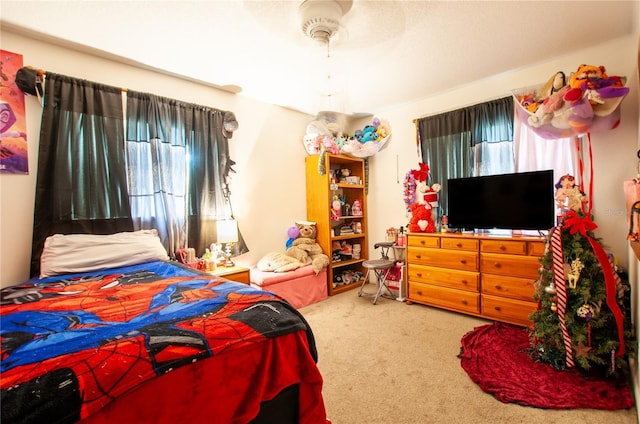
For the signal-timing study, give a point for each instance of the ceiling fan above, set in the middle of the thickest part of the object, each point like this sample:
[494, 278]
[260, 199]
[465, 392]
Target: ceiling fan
[320, 21]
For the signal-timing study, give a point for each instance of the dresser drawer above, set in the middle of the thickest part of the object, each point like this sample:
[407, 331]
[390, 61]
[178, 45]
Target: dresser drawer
[462, 280]
[512, 287]
[423, 241]
[459, 300]
[507, 310]
[504, 246]
[459, 243]
[511, 265]
[462, 260]
[535, 248]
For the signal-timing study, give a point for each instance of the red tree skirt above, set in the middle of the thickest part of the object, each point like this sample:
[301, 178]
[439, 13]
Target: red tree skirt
[496, 357]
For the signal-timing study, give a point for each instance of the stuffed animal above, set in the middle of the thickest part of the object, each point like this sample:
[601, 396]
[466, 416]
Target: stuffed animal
[368, 133]
[593, 94]
[583, 83]
[533, 100]
[293, 232]
[305, 248]
[547, 110]
[553, 84]
[278, 262]
[421, 220]
[593, 83]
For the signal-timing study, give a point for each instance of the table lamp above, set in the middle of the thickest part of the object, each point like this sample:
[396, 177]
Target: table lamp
[227, 233]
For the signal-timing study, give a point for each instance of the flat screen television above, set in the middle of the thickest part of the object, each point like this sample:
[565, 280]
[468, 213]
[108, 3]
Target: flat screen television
[518, 201]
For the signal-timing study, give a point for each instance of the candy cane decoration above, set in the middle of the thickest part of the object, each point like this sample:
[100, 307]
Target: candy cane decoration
[561, 292]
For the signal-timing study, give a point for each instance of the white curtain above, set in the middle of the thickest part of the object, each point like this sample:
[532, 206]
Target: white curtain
[157, 166]
[533, 153]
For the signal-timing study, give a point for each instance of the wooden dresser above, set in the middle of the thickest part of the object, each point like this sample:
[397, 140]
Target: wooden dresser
[482, 275]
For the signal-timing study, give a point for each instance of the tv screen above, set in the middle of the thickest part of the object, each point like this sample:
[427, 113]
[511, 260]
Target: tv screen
[519, 201]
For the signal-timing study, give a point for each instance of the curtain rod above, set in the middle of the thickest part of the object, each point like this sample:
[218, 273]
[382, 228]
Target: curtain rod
[415, 120]
[43, 73]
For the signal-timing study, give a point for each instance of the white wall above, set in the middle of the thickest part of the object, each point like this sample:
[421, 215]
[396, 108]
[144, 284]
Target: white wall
[268, 190]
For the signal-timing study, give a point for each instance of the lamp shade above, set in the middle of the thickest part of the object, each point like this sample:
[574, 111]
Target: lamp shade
[227, 231]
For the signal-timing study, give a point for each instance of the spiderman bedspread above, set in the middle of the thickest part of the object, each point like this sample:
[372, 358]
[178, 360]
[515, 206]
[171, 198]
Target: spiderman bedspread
[71, 344]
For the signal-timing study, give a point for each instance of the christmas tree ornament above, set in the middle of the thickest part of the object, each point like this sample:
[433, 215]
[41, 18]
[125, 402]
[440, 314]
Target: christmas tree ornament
[551, 289]
[572, 272]
[582, 350]
[585, 312]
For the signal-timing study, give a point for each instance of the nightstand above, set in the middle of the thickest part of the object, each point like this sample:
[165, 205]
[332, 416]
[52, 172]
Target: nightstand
[234, 273]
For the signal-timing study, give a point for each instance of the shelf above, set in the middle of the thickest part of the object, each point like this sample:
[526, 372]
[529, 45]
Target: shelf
[348, 236]
[340, 264]
[345, 287]
[347, 185]
[320, 195]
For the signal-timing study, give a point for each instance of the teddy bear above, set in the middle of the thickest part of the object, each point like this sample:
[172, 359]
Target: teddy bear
[421, 219]
[305, 248]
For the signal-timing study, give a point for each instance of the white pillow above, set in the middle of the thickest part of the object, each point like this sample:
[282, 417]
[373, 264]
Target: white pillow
[67, 254]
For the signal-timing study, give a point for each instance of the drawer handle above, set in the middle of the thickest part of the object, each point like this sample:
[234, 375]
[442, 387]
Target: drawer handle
[497, 308]
[419, 274]
[419, 292]
[463, 261]
[503, 247]
[464, 302]
[464, 282]
[459, 245]
[497, 265]
[498, 287]
[418, 257]
[422, 242]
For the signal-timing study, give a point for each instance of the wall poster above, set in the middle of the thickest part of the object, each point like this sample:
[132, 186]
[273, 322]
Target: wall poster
[13, 127]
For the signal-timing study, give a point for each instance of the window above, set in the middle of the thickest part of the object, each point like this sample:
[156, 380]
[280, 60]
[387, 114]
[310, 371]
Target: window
[171, 174]
[488, 139]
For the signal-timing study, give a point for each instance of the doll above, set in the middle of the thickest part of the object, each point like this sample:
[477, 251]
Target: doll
[568, 195]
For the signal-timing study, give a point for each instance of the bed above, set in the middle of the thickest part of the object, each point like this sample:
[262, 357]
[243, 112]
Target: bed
[154, 342]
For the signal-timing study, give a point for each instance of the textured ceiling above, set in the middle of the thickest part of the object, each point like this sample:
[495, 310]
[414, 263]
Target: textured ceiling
[385, 52]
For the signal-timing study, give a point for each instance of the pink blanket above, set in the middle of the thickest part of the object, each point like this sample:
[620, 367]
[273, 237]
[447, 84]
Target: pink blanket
[300, 287]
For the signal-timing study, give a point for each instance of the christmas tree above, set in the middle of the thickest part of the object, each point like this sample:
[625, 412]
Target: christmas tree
[582, 319]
